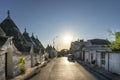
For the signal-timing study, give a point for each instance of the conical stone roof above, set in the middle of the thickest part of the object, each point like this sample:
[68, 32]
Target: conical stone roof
[37, 42]
[10, 28]
[28, 38]
[2, 33]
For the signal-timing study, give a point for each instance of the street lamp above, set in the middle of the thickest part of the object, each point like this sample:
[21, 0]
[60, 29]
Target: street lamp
[54, 40]
[55, 51]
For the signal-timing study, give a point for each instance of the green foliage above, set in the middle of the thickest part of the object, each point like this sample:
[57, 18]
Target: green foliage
[22, 67]
[21, 60]
[22, 64]
[115, 45]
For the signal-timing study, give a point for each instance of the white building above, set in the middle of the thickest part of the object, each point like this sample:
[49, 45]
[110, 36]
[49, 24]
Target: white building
[97, 54]
[76, 49]
[7, 59]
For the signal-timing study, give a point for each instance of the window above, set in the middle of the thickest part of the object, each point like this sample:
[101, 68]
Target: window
[103, 55]
[103, 58]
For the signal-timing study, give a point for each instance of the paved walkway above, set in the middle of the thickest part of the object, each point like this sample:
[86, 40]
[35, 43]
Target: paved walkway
[101, 71]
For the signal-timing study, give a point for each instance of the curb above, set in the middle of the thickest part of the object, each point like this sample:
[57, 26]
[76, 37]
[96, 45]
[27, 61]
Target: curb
[30, 73]
[100, 73]
[109, 78]
[36, 71]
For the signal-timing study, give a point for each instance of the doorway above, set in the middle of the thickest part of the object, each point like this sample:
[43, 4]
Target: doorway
[6, 62]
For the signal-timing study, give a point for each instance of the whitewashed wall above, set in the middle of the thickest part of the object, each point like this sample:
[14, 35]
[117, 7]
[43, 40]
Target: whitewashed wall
[87, 57]
[99, 59]
[16, 63]
[16, 70]
[106, 61]
[94, 55]
[38, 58]
[27, 61]
[77, 54]
[114, 63]
[112, 60]
[2, 66]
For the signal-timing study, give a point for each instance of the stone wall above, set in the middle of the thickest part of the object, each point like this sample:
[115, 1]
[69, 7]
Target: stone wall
[114, 62]
[2, 66]
[16, 70]
[27, 61]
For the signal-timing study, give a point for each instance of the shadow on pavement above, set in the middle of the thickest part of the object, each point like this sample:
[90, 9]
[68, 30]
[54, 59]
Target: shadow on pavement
[97, 70]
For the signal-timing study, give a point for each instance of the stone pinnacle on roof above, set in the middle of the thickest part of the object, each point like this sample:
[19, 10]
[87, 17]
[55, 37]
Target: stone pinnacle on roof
[36, 37]
[32, 33]
[8, 12]
[25, 30]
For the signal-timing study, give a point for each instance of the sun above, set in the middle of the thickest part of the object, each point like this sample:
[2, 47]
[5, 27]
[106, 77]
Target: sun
[67, 39]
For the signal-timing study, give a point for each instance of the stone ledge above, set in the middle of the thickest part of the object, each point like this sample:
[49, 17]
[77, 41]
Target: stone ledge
[29, 72]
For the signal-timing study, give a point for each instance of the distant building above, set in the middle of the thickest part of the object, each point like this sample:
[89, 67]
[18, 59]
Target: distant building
[51, 51]
[92, 47]
[37, 44]
[76, 48]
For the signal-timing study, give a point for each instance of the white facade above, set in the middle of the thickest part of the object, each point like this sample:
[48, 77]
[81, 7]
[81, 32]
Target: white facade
[2, 66]
[114, 62]
[77, 54]
[110, 61]
[76, 48]
[6, 61]
[9, 60]
[27, 61]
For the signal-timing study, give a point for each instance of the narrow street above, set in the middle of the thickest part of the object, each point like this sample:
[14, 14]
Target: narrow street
[62, 69]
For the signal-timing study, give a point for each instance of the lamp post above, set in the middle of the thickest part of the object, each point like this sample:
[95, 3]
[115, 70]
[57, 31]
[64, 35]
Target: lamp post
[54, 41]
[55, 52]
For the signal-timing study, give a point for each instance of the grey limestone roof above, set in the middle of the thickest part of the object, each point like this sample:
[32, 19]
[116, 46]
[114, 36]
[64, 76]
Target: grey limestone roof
[10, 28]
[2, 33]
[37, 42]
[2, 40]
[28, 38]
[99, 42]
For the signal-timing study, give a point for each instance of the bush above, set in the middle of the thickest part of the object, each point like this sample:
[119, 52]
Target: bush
[21, 60]
[22, 64]
[22, 67]
[115, 46]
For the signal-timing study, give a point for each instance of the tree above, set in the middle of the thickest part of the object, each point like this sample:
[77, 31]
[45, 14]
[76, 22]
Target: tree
[115, 45]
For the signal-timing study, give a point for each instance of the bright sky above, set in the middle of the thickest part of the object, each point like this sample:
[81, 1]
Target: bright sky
[83, 19]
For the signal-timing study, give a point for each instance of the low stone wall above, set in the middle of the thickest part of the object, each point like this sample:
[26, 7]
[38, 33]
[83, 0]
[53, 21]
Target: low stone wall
[27, 61]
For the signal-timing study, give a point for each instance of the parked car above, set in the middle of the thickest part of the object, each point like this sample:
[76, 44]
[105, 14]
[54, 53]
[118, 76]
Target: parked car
[70, 57]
